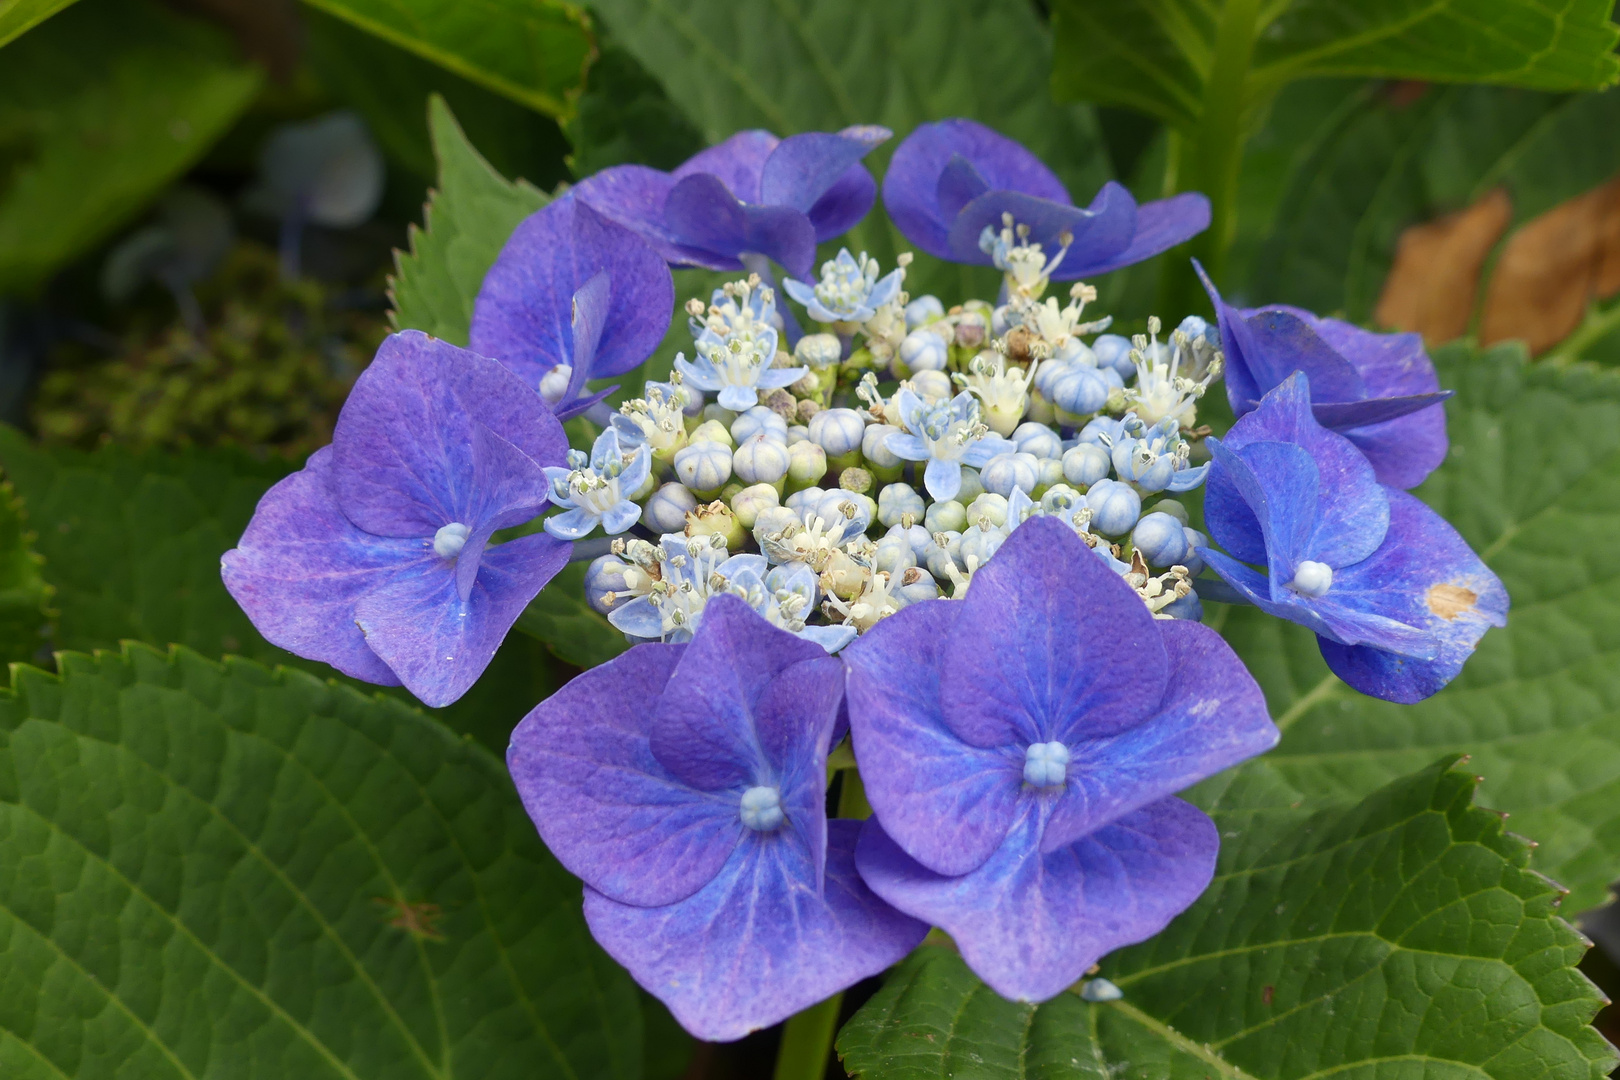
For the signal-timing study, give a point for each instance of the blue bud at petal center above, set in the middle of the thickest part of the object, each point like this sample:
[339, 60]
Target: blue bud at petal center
[1046, 764]
[762, 808]
[450, 539]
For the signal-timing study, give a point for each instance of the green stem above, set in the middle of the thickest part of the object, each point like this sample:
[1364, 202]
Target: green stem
[807, 1040]
[1597, 325]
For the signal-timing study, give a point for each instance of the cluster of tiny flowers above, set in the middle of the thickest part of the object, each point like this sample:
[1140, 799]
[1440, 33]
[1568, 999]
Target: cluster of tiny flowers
[886, 458]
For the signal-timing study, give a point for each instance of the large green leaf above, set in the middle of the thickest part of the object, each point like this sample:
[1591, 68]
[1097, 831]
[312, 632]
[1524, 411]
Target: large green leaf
[17, 17]
[218, 871]
[1160, 56]
[1402, 936]
[24, 594]
[533, 51]
[562, 619]
[826, 64]
[100, 108]
[466, 223]
[1538, 705]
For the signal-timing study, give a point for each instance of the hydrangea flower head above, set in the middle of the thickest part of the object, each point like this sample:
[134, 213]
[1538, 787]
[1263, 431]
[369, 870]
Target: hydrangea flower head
[686, 785]
[1397, 599]
[951, 181]
[572, 297]
[597, 490]
[1020, 749]
[374, 558]
[753, 193]
[945, 434]
[849, 290]
[1380, 391]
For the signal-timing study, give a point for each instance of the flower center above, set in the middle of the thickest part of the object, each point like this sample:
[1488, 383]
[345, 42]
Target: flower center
[762, 808]
[1312, 579]
[450, 539]
[1046, 764]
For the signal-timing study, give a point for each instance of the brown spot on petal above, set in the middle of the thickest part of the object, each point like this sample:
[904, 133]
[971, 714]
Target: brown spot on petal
[1450, 601]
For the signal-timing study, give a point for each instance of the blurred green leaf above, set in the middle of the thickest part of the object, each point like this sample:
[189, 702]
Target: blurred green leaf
[823, 66]
[570, 627]
[100, 108]
[1403, 933]
[1538, 705]
[24, 595]
[212, 870]
[466, 223]
[625, 117]
[17, 17]
[533, 51]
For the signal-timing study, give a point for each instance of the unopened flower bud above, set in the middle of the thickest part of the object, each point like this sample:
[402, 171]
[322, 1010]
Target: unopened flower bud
[604, 580]
[797, 433]
[666, 511]
[818, 350]
[894, 554]
[1037, 439]
[932, 386]
[712, 431]
[716, 519]
[924, 350]
[1171, 507]
[1194, 562]
[972, 487]
[942, 557]
[1078, 390]
[1048, 471]
[1114, 507]
[839, 432]
[1085, 464]
[807, 463]
[884, 463]
[773, 521]
[896, 501]
[948, 516]
[804, 499]
[806, 410]
[988, 506]
[855, 479]
[750, 502]
[761, 460]
[758, 421]
[924, 309]
[1004, 472]
[916, 585]
[1113, 351]
[978, 544]
[970, 330]
[1161, 539]
[714, 411]
[704, 466]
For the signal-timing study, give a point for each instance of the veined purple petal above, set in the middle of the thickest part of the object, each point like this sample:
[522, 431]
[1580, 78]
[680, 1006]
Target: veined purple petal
[436, 642]
[1341, 416]
[301, 566]
[402, 451]
[634, 197]
[613, 815]
[1100, 231]
[783, 234]
[508, 488]
[948, 803]
[1051, 645]
[1426, 576]
[1160, 226]
[1029, 924]
[1213, 716]
[738, 162]
[702, 214]
[759, 942]
[803, 168]
[959, 184]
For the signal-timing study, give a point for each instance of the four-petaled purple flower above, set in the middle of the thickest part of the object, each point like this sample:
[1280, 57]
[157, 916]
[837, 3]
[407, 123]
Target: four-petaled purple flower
[1397, 598]
[572, 297]
[950, 181]
[1380, 391]
[373, 558]
[1020, 749]
[686, 784]
[752, 194]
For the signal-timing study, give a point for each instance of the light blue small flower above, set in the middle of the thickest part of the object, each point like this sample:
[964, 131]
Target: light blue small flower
[849, 290]
[1156, 458]
[597, 492]
[947, 435]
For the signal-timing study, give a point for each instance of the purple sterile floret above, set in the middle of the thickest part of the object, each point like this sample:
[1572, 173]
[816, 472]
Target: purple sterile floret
[752, 194]
[1380, 391]
[949, 180]
[374, 557]
[1396, 597]
[576, 294]
[1019, 749]
[686, 785]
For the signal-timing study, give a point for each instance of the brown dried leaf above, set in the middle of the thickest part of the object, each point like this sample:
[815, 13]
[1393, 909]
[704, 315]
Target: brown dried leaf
[1435, 279]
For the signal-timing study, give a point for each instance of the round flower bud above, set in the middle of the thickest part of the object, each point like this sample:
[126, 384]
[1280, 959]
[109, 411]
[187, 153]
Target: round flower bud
[807, 463]
[666, 511]
[1079, 390]
[1171, 507]
[844, 506]
[932, 385]
[972, 487]
[1113, 351]
[998, 321]
[1188, 607]
[895, 501]
[805, 499]
[805, 410]
[716, 519]
[839, 432]
[818, 350]
[772, 522]
[723, 416]
[856, 479]
[924, 309]
[1061, 498]
[1194, 562]
[924, 350]
[1114, 507]
[554, 383]
[797, 433]
[978, 544]
[917, 536]
[894, 554]
[712, 431]
[877, 455]
[760, 460]
[604, 578]
[941, 558]
[916, 585]
[970, 330]
[1085, 464]
[948, 516]
[1004, 472]
[1040, 408]
[758, 421]
[1037, 439]
[1049, 471]
[750, 502]
[988, 505]
[704, 466]
[1073, 350]
[1161, 539]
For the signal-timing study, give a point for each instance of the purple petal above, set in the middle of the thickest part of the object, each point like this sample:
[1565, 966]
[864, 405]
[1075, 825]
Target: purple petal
[959, 185]
[1426, 576]
[709, 730]
[739, 163]
[911, 185]
[525, 309]
[1213, 716]
[1343, 415]
[1404, 452]
[1100, 231]
[1050, 644]
[508, 488]
[301, 566]
[634, 197]
[436, 642]
[844, 204]
[1030, 925]
[402, 452]
[702, 214]
[804, 167]
[614, 816]
[784, 235]
[1394, 366]
[946, 802]
[759, 942]
[1160, 226]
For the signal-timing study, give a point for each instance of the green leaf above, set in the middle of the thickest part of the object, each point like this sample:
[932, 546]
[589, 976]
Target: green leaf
[625, 117]
[533, 51]
[24, 595]
[100, 108]
[467, 221]
[214, 870]
[1533, 483]
[1160, 56]
[820, 67]
[17, 17]
[570, 627]
[1400, 935]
